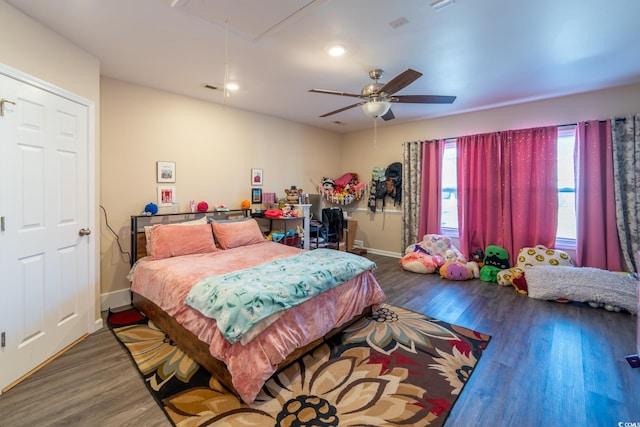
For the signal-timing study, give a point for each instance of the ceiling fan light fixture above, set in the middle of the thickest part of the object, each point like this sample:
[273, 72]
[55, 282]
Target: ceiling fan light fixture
[376, 108]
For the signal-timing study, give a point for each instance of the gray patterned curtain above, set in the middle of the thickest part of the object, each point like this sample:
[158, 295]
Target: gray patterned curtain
[411, 180]
[626, 167]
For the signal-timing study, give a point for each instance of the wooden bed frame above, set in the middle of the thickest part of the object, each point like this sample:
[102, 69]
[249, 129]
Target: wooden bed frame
[199, 350]
[188, 342]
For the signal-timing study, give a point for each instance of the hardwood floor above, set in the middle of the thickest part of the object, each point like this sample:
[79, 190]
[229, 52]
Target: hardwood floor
[547, 364]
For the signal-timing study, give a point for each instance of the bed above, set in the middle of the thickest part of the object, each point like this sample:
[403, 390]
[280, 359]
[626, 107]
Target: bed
[183, 259]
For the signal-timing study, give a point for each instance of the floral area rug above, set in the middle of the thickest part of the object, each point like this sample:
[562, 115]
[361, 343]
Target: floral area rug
[395, 368]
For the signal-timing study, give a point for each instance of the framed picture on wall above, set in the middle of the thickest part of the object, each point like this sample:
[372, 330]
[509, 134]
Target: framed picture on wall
[166, 171]
[256, 177]
[166, 195]
[256, 195]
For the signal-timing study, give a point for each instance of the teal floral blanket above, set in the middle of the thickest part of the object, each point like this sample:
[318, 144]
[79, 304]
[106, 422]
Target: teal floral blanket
[241, 299]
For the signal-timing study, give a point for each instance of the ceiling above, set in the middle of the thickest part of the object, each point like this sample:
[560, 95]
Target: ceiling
[488, 53]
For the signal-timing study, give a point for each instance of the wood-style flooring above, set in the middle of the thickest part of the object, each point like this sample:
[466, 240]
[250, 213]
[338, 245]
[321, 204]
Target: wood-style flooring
[548, 364]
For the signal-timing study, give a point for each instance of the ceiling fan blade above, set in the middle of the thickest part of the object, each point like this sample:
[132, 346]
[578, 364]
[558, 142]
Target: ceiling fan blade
[400, 81]
[334, 92]
[388, 115]
[424, 99]
[341, 109]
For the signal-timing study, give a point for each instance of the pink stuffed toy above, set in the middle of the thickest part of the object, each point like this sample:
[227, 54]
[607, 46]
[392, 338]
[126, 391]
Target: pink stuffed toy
[419, 261]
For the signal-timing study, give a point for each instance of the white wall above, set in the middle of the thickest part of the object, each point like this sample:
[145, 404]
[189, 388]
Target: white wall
[382, 231]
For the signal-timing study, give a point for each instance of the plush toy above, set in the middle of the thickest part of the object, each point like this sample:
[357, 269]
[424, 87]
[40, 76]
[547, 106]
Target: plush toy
[343, 182]
[203, 206]
[495, 260]
[293, 194]
[327, 183]
[436, 244]
[475, 269]
[245, 204]
[478, 257]
[527, 257]
[151, 209]
[418, 262]
[450, 256]
[455, 270]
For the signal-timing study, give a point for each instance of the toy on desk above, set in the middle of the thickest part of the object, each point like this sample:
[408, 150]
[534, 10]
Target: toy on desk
[192, 205]
[294, 194]
[245, 204]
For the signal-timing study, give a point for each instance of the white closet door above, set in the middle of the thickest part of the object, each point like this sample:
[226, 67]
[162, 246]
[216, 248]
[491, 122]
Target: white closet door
[44, 286]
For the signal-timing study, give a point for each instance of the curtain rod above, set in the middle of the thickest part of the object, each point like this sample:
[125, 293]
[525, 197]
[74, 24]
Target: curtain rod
[617, 119]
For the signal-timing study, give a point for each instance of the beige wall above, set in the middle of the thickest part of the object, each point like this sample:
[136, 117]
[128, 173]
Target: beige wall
[214, 148]
[382, 231]
[31, 48]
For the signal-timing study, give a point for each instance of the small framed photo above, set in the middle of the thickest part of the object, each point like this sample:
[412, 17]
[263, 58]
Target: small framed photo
[256, 195]
[166, 171]
[166, 195]
[256, 177]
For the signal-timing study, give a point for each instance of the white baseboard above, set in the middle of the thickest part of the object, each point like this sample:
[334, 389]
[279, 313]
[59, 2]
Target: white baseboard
[115, 299]
[385, 253]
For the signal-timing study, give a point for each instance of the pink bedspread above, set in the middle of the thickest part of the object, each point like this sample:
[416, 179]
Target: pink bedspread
[166, 283]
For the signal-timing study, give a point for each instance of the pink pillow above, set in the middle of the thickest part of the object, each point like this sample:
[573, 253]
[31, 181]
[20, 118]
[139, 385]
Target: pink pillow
[170, 240]
[237, 233]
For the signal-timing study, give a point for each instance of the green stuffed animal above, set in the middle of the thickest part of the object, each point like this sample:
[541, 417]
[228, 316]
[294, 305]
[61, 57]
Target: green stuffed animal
[496, 259]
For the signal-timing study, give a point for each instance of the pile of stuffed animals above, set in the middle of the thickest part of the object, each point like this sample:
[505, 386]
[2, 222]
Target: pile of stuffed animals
[343, 190]
[437, 254]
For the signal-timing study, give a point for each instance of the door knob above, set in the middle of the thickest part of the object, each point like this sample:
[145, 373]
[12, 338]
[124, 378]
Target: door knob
[84, 232]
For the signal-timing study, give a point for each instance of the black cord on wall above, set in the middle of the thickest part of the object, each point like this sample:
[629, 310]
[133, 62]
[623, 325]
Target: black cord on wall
[106, 221]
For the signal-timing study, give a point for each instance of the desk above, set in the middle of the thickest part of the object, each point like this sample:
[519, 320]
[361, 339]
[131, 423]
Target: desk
[303, 216]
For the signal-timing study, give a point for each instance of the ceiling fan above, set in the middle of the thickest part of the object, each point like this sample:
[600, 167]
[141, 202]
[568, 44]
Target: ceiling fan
[379, 96]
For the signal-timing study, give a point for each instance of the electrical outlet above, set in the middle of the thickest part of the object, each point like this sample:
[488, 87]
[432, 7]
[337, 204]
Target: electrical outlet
[634, 360]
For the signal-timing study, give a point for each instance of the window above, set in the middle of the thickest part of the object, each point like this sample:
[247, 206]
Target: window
[566, 232]
[566, 186]
[449, 217]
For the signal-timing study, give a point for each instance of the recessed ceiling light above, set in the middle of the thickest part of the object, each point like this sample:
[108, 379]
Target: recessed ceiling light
[232, 86]
[337, 50]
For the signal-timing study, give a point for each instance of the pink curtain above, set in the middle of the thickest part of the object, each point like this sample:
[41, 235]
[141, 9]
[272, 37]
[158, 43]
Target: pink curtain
[597, 239]
[531, 195]
[431, 188]
[479, 191]
[507, 189]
